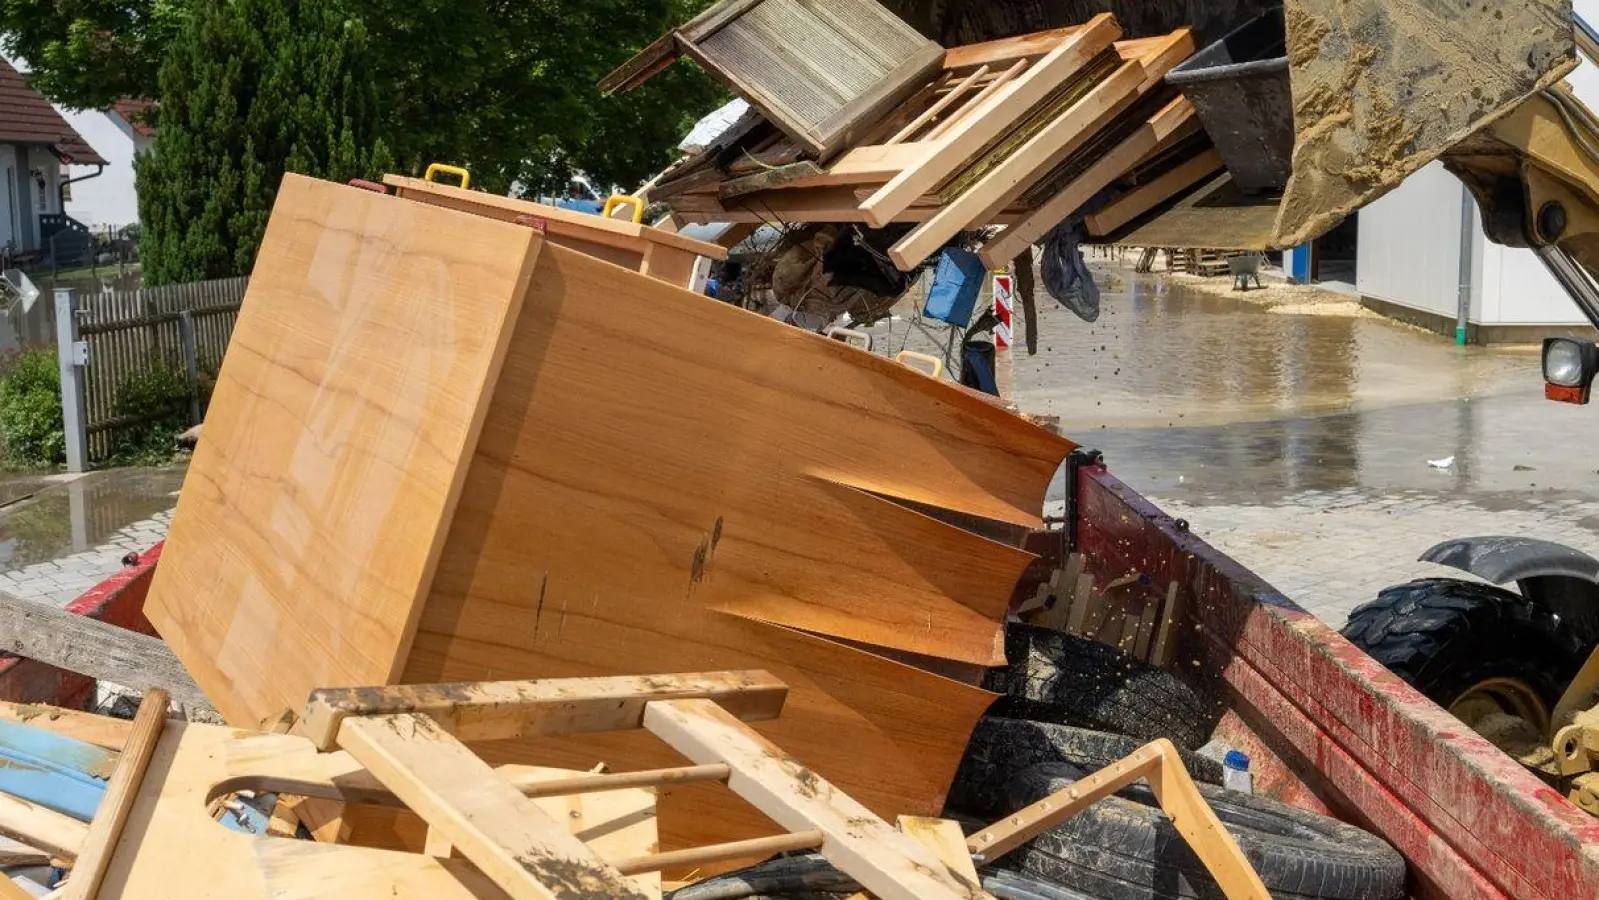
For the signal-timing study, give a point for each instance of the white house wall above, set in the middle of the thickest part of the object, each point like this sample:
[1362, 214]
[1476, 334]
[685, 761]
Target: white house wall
[1408, 251]
[109, 200]
[1411, 229]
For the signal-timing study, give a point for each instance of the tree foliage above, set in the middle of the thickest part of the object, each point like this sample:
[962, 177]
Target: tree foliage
[505, 87]
[251, 89]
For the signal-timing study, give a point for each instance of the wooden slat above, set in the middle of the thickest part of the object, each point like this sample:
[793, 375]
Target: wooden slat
[882, 859]
[1008, 50]
[90, 647]
[46, 829]
[330, 472]
[983, 202]
[982, 124]
[996, 84]
[558, 222]
[502, 710]
[1017, 172]
[1070, 198]
[517, 845]
[945, 102]
[1142, 199]
[106, 828]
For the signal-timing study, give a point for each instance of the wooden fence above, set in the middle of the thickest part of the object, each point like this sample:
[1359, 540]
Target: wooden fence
[180, 331]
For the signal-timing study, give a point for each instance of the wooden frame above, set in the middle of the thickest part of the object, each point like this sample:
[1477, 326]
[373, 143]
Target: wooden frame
[394, 746]
[1159, 764]
[982, 203]
[1160, 127]
[656, 252]
[988, 120]
[1145, 197]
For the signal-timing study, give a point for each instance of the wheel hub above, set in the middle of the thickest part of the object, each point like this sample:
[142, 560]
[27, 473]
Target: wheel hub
[1506, 711]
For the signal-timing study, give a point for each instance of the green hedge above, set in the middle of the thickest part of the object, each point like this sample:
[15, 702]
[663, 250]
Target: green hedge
[30, 409]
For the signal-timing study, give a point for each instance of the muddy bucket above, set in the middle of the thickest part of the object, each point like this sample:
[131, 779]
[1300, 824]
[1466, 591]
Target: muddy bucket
[1239, 88]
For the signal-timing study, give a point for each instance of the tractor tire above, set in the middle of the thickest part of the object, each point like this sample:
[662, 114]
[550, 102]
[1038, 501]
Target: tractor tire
[1443, 636]
[811, 877]
[1001, 749]
[1070, 680]
[1125, 848]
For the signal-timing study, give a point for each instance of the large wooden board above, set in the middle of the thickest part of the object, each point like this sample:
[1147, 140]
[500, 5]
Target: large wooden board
[707, 495]
[313, 513]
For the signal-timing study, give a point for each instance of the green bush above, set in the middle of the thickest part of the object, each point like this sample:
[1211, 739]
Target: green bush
[30, 409]
[160, 397]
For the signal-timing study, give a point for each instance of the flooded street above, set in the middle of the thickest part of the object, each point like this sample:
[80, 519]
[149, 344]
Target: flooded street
[1303, 443]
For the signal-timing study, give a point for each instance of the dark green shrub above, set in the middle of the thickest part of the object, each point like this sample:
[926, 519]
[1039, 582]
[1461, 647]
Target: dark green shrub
[30, 409]
[159, 399]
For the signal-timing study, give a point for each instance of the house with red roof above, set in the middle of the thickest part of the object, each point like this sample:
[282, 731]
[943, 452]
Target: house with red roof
[37, 145]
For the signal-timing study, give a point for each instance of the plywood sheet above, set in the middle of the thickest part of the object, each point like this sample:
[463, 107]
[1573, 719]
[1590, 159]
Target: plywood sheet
[312, 515]
[669, 484]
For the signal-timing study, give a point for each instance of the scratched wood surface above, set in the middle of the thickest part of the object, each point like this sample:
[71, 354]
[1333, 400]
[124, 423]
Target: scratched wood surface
[311, 519]
[722, 494]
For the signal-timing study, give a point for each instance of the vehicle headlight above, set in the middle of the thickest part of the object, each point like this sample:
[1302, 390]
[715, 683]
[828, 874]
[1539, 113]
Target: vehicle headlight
[1563, 362]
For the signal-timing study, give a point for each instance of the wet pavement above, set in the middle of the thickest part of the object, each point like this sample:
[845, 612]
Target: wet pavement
[60, 535]
[1300, 443]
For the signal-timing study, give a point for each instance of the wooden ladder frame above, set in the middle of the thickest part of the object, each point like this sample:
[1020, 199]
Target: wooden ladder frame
[410, 738]
[1160, 765]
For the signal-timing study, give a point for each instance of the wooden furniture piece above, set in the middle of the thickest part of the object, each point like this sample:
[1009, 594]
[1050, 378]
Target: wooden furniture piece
[660, 254]
[404, 746]
[1159, 765]
[983, 142]
[442, 449]
[818, 71]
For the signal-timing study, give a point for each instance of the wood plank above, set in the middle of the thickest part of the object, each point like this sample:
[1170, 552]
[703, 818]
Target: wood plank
[984, 202]
[989, 120]
[46, 829]
[1007, 180]
[1008, 50]
[1172, 619]
[954, 96]
[502, 710]
[126, 780]
[293, 501]
[558, 222]
[516, 844]
[1071, 198]
[1146, 628]
[993, 87]
[101, 731]
[882, 859]
[1142, 199]
[944, 838]
[94, 648]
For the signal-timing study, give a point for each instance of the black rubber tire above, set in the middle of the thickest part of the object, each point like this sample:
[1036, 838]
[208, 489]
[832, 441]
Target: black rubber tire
[1058, 677]
[810, 877]
[1125, 848]
[1443, 635]
[1001, 749]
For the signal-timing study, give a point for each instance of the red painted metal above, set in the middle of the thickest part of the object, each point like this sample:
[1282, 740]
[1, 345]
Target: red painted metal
[1471, 821]
[119, 600]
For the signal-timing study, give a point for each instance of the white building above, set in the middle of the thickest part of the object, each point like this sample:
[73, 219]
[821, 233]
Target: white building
[1409, 255]
[109, 200]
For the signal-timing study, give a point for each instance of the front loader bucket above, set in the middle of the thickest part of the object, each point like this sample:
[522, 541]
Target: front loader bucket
[1382, 87]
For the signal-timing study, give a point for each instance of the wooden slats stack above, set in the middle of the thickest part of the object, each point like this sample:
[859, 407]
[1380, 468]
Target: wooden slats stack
[1023, 132]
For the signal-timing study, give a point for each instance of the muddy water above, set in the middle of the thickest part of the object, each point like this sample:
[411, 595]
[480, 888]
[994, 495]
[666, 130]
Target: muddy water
[1164, 356]
[57, 519]
[1214, 400]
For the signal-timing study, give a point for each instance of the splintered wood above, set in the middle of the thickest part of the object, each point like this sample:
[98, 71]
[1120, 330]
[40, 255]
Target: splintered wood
[443, 449]
[1000, 134]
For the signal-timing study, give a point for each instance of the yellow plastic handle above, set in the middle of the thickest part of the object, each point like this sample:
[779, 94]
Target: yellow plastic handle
[850, 336]
[620, 199]
[457, 171]
[921, 362]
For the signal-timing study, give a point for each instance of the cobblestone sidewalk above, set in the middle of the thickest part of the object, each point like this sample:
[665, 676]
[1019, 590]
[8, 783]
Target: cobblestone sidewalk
[60, 581]
[1331, 551]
